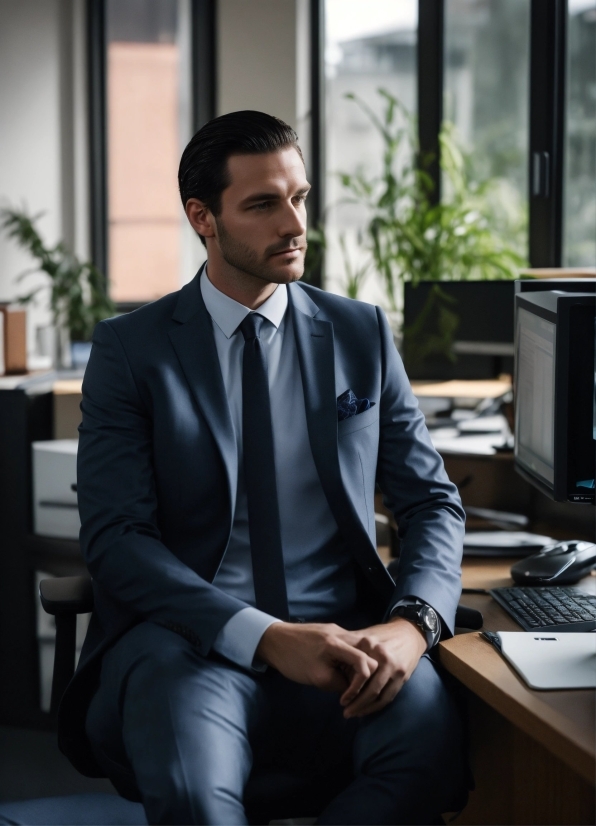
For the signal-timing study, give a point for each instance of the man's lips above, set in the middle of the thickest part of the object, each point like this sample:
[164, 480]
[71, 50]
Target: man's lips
[286, 251]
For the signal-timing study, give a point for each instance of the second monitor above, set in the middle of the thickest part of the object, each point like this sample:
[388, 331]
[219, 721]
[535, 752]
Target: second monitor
[458, 329]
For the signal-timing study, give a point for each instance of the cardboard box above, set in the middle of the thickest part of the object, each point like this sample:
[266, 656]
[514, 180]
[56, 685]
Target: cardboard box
[67, 413]
[14, 339]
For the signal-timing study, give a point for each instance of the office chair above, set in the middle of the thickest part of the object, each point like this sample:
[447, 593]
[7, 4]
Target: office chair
[270, 796]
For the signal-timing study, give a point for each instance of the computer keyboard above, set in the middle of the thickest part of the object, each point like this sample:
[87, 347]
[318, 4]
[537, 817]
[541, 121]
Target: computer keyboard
[548, 608]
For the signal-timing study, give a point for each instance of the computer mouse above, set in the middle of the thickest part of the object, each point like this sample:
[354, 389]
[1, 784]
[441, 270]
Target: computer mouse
[560, 564]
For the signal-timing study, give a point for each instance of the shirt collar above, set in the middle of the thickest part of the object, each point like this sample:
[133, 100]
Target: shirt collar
[228, 314]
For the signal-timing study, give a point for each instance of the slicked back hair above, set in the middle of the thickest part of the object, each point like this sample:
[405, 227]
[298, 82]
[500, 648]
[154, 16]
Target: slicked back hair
[203, 171]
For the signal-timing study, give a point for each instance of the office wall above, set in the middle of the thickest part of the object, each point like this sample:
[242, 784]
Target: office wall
[263, 59]
[43, 137]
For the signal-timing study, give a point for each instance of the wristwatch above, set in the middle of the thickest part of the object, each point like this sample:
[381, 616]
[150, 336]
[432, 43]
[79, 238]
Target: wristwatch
[423, 616]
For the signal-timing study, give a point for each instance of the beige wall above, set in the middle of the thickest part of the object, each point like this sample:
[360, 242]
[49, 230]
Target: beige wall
[263, 62]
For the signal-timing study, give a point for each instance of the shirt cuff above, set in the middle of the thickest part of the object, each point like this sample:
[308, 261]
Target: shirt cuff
[239, 638]
[431, 639]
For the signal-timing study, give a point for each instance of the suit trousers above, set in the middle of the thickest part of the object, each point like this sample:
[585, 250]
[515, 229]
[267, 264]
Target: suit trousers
[183, 733]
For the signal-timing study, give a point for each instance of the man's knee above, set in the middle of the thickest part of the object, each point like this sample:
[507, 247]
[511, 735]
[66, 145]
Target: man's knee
[420, 728]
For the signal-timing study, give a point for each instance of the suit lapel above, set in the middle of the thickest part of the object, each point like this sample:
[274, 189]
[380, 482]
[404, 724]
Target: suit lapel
[195, 347]
[316, 356]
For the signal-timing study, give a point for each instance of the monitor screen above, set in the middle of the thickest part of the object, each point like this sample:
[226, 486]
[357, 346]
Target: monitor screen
[535, 394]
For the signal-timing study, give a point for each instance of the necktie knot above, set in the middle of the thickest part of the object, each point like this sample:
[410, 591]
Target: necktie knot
[251, 326]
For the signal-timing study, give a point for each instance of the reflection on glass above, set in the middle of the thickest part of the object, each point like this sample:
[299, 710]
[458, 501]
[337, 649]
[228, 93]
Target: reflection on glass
[487, 46]
[147, 113]
[580, 150]
[368, 45]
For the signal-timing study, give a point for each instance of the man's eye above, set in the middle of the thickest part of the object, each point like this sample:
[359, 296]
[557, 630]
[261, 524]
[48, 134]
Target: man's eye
[261, 207]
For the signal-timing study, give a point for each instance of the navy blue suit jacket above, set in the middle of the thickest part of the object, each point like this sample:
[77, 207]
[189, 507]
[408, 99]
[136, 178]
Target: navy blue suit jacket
[157, 473]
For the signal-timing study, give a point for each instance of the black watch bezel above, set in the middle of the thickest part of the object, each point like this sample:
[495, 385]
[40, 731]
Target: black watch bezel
[424, 616]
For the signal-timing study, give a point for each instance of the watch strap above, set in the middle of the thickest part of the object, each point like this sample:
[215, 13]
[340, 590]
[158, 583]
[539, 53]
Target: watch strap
[431, 638]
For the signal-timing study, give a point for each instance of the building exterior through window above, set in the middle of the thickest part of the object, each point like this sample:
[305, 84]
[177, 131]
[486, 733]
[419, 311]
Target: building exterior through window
[148, 124]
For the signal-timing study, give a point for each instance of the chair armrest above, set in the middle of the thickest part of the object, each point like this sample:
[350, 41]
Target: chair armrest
[66, 595]
[468, 618]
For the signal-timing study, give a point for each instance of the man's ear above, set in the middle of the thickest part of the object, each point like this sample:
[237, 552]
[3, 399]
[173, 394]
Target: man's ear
[200, 217]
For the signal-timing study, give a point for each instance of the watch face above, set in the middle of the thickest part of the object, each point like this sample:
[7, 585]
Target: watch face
[429, 618]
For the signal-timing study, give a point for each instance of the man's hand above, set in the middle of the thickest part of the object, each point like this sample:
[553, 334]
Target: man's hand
[317, 654]
[396, 647]
[368, 667]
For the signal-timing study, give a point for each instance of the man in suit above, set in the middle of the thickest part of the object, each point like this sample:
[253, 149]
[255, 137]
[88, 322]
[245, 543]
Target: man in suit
[232, 437]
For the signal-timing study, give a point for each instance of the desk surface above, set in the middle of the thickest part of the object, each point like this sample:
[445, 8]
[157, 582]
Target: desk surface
[463, 389]
[564, 722]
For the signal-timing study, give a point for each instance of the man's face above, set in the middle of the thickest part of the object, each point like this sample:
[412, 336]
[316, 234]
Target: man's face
[261, 229]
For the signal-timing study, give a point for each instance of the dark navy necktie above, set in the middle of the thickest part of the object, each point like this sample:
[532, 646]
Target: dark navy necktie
[259, 475]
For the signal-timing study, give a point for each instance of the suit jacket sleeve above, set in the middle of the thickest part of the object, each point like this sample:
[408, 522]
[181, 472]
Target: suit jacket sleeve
[120, 537]
[426, 505]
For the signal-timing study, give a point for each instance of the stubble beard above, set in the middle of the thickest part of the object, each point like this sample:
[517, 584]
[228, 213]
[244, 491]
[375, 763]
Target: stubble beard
[246, 260]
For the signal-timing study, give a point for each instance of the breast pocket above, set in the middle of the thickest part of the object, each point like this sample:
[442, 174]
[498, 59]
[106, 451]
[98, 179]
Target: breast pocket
[358, 422]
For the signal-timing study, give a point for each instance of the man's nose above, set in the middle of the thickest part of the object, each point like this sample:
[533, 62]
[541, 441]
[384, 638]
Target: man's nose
[293, 222]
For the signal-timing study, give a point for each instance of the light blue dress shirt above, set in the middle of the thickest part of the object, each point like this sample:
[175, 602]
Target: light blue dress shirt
[320, 579]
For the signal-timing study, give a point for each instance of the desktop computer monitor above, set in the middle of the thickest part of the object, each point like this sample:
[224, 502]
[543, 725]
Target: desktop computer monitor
[565, 285]
[482, 319]
[481, 341]
[555, 415]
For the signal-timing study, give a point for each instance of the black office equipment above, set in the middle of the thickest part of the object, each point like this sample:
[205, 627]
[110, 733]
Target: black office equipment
[565, 285]
[554, 393]
[26, 411]
[561, 609]
[481, 343]
[560, 564]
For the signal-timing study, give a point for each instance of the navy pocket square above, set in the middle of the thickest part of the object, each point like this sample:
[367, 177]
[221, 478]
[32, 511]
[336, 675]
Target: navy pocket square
[348, 405]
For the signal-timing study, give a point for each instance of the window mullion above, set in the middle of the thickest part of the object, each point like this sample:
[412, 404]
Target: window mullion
[547, 134]
[96, 72]
[431, 38]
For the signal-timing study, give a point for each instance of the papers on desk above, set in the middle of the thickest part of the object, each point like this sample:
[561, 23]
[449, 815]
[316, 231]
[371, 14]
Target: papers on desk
[504, 543]
[480, 435]
[548, 661]
[484, 445]
[483, 425]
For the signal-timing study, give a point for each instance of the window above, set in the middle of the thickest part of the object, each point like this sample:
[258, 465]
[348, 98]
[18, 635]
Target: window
[148, 122]
[580, 148]
[369, 45]
[487, 46]
[519, 83]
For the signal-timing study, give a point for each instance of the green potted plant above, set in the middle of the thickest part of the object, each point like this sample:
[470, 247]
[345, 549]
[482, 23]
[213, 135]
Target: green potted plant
[410, 238]
[77, 289]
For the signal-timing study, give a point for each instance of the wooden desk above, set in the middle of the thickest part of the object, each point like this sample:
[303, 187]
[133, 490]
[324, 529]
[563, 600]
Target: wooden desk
[532, 752]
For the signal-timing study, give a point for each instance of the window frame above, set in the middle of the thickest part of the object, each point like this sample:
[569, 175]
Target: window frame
[204, 95]
[547, 105]
[548, 60]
